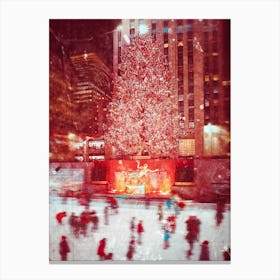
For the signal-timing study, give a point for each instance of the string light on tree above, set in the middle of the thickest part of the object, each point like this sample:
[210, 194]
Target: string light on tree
[143, 112]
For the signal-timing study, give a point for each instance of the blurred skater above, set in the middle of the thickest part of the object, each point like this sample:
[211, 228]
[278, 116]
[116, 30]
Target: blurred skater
[171, 220]
[113, 204]
[109, 257]
[75, 224]
[166, 237]
[204, 251]
[193, 229]
[84, 221]
[220, 209]
[132, 225]
[131, 250]
[101, 249]
[140, 230]
[226, 254]
[106, 215]
[63, 248]
[168, 203]
[95, 220]
[59, 216]
[159, 212]
[147, 202]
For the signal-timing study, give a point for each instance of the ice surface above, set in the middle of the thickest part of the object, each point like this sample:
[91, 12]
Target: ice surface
[118, 231]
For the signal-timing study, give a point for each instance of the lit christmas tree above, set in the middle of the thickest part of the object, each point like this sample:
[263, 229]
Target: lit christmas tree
[142, 116]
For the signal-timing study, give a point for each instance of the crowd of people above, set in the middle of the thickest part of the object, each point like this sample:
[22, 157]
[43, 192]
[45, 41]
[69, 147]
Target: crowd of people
[88, 222]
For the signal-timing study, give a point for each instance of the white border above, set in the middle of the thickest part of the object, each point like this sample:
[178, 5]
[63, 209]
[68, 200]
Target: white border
[24, 137]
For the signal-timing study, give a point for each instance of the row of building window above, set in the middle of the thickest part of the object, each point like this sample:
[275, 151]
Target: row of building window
[180, 71]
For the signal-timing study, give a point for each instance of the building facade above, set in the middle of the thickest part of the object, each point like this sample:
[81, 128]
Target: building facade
[80, 89]
[197, 52]
[90, 91]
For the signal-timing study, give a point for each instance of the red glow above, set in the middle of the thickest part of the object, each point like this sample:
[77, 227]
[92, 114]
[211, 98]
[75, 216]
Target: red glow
[147, 177]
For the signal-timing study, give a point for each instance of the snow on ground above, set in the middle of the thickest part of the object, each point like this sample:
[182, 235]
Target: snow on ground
[118, 231]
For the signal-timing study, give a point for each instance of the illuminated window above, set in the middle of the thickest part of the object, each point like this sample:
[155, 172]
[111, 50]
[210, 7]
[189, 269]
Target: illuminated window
[189, 27]
[182, 124]
[215, 77]
[180, 29]
[226, 83]
[191, 124]
[186, 147]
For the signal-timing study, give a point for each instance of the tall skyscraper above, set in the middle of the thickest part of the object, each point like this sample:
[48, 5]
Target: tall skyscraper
[91, 86]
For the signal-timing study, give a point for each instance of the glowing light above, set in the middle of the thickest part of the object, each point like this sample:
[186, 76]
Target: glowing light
[126, 39]
[210, 128]
[71, 136]
[119, 27]
[216, 139]
[130, 180]
[143, 29]
[225, 83]
[215, 77]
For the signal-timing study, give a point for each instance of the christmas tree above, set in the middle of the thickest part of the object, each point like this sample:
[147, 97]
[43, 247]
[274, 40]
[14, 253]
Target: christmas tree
[142, 116]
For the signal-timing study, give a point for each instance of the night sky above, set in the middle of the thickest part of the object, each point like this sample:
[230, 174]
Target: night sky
[86, 35]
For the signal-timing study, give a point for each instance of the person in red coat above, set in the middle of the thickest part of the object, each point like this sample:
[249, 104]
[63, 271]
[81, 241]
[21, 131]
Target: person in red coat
[204, 253]
[140, 230]
[101, 249]
[59, 216]
[63, 248]
[226, 254]
[84, 219]
[131, 250]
